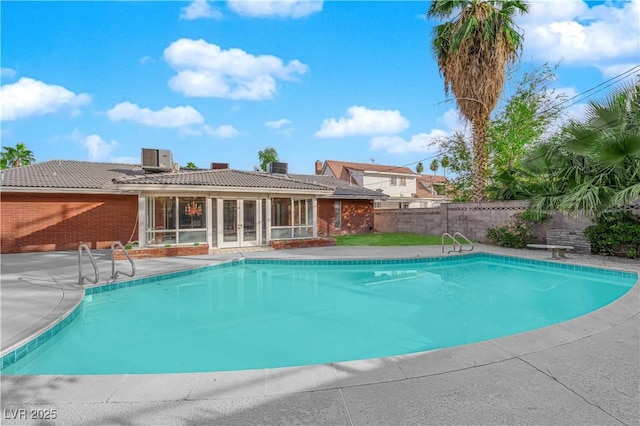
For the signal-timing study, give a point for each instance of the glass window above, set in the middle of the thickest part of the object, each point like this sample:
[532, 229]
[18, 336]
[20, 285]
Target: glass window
[393, 181]
[192, 213]
[176, 220]
[337, 205]
[281, 212]
[403, 181]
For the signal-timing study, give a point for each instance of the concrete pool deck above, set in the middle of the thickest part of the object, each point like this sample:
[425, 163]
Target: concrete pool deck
[583, 371]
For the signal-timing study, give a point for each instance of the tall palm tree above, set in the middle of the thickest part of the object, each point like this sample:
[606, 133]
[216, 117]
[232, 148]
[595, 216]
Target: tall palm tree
[473, 50]
[16, 157]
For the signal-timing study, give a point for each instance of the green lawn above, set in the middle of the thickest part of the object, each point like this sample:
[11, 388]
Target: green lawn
[394, 239]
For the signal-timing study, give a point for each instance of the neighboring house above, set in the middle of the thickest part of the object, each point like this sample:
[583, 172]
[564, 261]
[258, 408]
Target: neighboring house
[431, 190]
[349, 210]
[405, 188]
[57, 204]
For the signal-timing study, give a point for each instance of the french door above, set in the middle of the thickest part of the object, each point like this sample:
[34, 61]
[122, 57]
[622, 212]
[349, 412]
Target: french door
[241, 223]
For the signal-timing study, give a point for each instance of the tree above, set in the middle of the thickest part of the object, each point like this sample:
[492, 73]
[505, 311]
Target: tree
[16, 157]
[524, 120]
[191, 165]
[419, 168]
[459, 160]
[444, 162]
[593, 165]
[434, 166]
[266, 156]
[473, 50]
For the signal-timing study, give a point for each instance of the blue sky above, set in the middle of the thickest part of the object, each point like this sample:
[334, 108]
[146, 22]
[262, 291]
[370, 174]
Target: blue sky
[219, 81]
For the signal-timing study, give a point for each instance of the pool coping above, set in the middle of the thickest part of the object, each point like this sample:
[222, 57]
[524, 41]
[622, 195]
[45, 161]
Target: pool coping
[276, 381]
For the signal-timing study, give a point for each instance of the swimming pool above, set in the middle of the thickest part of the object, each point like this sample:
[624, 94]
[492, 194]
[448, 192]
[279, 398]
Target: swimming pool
[263, 314]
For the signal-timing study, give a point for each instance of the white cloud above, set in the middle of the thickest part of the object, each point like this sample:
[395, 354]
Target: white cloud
[166, 117]
[621, 68]
[146, 60]
[363, 121]
[276, 124]
[602, 36]
[29, 97]
[277, 8]
[206, 70]
[7, 72]
[225, 131]
[200, 9]
[99, 149]
[421, 142]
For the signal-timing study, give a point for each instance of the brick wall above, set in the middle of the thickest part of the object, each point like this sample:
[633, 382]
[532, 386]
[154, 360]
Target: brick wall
[47, 222]
[148, 252]
[357, 217]
[303, 243]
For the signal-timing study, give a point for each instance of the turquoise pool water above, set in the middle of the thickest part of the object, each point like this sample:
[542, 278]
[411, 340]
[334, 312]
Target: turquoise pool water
[277, 313]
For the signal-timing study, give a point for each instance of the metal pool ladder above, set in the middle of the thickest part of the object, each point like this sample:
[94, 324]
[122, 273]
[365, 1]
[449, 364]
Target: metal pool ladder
[83, 247]
[114, 274]
[456, 242]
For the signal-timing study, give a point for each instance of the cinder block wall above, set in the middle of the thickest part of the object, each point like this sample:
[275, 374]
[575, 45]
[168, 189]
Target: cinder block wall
[474, 219]
[47, 222]
[416, 221]
[470, 219]
[357, 217]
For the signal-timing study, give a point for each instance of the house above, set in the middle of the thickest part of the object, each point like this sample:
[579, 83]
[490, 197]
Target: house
[55, 205]
[348, 210]
[405, 188]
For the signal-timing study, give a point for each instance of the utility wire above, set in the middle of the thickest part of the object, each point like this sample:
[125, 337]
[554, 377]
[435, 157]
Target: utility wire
[603, 85]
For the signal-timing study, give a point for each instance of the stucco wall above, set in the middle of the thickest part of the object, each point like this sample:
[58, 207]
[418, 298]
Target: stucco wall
[47, 222]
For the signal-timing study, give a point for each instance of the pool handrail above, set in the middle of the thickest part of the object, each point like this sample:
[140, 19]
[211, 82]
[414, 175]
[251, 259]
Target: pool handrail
[83, 247]
[456, 242]
[464, 238]
[114, 273]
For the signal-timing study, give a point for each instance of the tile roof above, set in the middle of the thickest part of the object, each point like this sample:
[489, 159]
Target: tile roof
[425, 183]
[68, 174]
[100, 177]
[342, 189]
[340, 169]
[223, 178]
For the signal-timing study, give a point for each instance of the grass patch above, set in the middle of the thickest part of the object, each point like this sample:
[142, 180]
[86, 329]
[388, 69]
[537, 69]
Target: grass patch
[393, 239]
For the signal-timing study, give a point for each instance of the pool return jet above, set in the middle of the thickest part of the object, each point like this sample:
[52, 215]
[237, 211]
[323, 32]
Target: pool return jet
[114, 274]
[457, 245]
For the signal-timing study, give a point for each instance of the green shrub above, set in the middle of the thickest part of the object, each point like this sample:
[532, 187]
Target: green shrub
[617, 232]
[518, 231]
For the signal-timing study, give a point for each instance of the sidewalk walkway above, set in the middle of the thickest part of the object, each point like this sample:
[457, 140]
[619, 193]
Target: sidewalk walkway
[584, 371]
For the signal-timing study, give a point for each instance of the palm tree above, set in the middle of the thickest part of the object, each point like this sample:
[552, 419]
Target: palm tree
[444, 162]
[16, 157]
[419, 168]
[594, 165]
[473, 49]
[434, 166]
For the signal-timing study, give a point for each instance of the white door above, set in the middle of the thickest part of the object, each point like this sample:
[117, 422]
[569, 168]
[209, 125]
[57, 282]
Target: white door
[241, 224]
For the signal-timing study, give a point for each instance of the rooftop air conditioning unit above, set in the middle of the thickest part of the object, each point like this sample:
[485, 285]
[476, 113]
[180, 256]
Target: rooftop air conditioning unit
[277, 168]
[157, 160]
